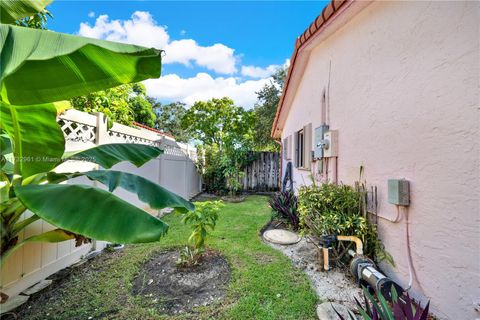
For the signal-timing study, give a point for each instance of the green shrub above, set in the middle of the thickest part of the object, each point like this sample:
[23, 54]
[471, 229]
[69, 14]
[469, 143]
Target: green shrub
[337, 209]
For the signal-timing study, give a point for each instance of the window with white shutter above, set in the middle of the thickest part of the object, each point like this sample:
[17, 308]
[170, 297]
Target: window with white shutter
[302, 141]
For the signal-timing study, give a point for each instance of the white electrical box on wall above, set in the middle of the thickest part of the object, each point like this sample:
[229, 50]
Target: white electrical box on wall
[331, 144]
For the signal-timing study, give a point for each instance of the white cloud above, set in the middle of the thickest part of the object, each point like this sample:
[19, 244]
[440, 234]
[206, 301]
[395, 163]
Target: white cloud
[204, 87]
[258, 72]
[143, 30]
[217, 57]
[91, 14]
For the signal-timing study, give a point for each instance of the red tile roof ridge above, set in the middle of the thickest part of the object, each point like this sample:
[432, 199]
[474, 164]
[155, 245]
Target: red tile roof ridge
[137, 124]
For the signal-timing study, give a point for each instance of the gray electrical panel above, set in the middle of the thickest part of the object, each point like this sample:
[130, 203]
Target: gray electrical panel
[399, 192]
[318, 147]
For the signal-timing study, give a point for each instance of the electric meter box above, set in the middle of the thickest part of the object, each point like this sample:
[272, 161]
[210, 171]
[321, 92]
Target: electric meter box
[318, 148]
[330, 144]
[399, 192]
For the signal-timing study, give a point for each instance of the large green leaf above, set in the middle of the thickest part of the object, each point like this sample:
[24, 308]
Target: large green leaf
[108, 155]
[5, 144]
[40, 66]
[6, 150]
[147, 191]
[91, 212]
[11, 10]
[38, 141]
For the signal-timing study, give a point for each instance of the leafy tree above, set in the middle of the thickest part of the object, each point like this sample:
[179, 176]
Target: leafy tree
[226, 132]
[35, 21]
[123, 104]
[265, 108]
[219, 122]
[169, 117]
[141, 106]
[112, 102]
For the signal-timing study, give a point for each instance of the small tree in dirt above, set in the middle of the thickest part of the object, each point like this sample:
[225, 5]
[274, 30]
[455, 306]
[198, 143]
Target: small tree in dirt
[202, 220]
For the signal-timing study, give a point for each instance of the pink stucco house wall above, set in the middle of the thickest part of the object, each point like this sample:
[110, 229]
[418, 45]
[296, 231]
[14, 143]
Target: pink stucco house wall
[399, 81]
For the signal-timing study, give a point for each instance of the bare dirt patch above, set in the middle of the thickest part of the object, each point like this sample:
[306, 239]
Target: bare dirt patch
[172, 289]
[233, 199]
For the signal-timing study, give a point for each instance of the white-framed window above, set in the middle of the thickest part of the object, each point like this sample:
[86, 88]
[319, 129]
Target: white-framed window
[303, 147]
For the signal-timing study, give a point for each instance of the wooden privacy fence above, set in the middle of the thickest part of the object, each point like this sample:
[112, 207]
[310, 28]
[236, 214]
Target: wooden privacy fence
[263, 173]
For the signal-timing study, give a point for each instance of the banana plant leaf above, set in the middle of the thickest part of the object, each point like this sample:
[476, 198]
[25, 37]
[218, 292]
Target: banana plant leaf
[11, 10]
[41, 66]
[107, 155]
[5, 144]
[91, 212]
[38, 141]
[147, 191]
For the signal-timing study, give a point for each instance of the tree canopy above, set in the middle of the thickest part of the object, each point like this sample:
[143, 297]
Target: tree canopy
[169, 118]
[226, 131]
[123, 104]
[219, 122]
[265, 108]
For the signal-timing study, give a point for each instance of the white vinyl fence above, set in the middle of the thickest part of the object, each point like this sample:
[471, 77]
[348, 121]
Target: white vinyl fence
[174, 170]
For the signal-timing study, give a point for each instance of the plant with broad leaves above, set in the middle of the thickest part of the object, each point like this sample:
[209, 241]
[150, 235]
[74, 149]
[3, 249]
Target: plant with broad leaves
[401, 308]
[337, 209]
[202, 220]
[39, 69]
[284, 204]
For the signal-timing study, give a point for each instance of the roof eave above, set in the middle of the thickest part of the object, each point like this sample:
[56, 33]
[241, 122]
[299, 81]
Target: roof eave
[314, 34]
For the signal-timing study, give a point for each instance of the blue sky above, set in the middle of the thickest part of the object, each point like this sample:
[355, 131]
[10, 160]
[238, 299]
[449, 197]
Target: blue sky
[213, 48]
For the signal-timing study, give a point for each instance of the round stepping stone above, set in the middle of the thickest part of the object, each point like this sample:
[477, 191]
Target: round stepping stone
[280, 236]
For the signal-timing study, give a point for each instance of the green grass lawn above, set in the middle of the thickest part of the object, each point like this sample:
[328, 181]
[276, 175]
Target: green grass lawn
[264, 283]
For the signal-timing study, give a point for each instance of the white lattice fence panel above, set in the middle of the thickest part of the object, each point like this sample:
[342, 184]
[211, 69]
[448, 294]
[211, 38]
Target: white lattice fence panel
[77, 132]
[173, 151]
[120, 137]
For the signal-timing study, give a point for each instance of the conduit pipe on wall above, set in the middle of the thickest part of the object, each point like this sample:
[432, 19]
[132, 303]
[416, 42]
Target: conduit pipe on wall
[409, 254]
[397, 219]
[335, 170]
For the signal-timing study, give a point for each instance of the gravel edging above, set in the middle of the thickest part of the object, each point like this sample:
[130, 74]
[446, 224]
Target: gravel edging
[333, 286]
